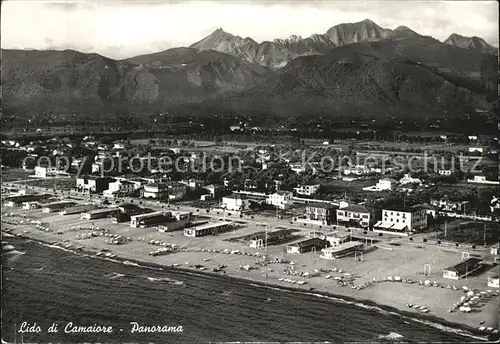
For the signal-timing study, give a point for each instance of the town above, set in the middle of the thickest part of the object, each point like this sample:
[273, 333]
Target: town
[342, 216]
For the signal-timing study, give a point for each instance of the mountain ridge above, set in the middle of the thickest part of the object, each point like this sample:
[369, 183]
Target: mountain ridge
[353, 69]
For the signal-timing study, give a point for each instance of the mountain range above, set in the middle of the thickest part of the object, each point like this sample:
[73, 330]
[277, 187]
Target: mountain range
[352, 69]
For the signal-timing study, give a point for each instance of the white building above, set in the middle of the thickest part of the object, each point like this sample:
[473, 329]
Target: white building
[236, 202]
[335, 238]
[475, 149]
[307, 189]
[407, 179]
[45, 172]
[445, 172]
[384, 184]
[402, 220]
[354, 213]
[482, 180]
[493, 282]
[156, 190]
[280, 199]
[472, 138]
[120, 187]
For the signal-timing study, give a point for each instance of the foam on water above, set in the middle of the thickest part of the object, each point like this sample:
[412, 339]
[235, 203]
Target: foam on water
[164, 279]
[390, 336]
[438, 326]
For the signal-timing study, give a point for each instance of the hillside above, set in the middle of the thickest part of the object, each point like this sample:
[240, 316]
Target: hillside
[62, 81]
[397, 78]
[476, 44]
[352, 70]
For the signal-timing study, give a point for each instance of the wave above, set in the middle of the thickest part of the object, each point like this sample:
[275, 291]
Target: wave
[114, 275]
[164, 279]
[6, 248]
[127, 262]
[390, 336]
[15, 252]
[435, 325]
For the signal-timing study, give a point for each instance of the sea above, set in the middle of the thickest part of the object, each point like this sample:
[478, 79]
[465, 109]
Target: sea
[44, 284]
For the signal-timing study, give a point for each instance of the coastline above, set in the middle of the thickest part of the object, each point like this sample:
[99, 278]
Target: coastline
[429, 320]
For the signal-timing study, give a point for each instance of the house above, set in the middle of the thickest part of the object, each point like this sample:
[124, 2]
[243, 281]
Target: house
[325, 213]
[334, 239]
[156, 191]
[446, 173]
[119, 145]
[236, 202]
[307, 189]
[307, 245]
[475, 150]
[482, 180]
[341, 250]
[446, 205]
[402, 220]
[385, 184]
[214, 190]
[354, 214]
[494, 204]
[493, 282]
[93, 184]
[462, 269]
[494, 250]
[176, 190]
[298, 168]
[120, 187]
[45, 172]
[407, 179]
[280, 199]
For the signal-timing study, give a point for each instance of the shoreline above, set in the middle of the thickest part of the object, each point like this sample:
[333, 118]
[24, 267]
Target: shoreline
[428, 320]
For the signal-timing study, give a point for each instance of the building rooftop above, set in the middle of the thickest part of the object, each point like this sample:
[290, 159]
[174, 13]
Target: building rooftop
[407, 209]
[463, 267]
[236, 196]
[320, 205]
[308, 242]
[356, 208]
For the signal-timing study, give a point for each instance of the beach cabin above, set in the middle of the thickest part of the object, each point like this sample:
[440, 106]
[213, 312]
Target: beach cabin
[78, 209]
[341, 250]
[308, 245]
[259, 239]
[209, 228]
[14, 201]
[135, 220]
[334, 239]
[462, 269]
[57, 206]
[180, 219]
[98, 213]
[493, 282]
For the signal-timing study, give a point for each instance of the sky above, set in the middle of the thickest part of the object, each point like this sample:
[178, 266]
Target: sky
[125, 28]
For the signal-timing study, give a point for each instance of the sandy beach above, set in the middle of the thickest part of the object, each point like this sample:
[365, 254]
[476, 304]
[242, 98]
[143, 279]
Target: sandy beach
[378, 264]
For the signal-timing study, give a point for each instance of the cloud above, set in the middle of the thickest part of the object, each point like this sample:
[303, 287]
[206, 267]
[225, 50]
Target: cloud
[129, 27]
